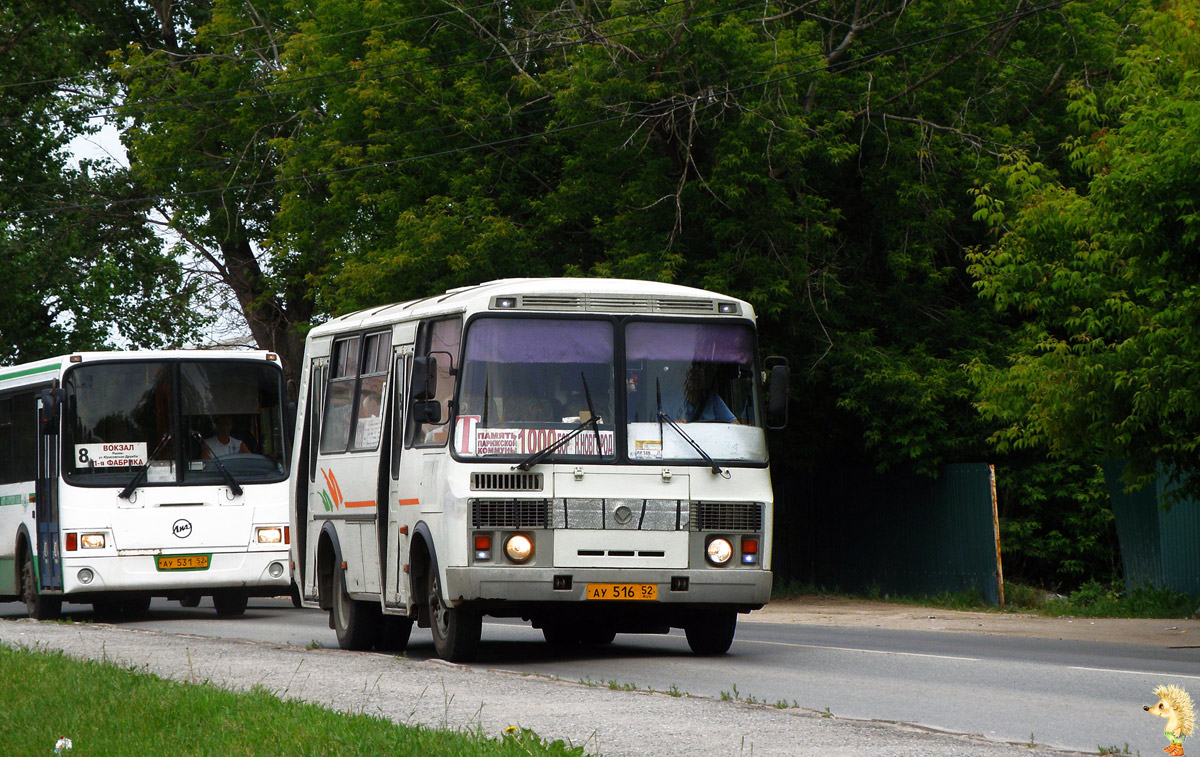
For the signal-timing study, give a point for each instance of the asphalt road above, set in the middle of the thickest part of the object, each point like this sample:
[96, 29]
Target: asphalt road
[1067, 695]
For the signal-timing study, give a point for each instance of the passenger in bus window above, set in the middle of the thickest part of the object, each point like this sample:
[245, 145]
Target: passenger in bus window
[529, 409]
[701, 402]
[369, 421]
[222, 442]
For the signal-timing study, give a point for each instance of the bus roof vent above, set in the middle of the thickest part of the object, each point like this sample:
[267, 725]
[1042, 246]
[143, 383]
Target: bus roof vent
[609, 303]
[619, 304]
[551, 302]
[684, 305]
[505, 481]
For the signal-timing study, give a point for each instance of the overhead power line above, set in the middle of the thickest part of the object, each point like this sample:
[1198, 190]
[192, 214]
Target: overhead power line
[704, 98]
[86, 77]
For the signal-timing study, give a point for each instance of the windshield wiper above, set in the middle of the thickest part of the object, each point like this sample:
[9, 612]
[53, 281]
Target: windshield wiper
[541, 454]
[225, 474]
[141, 473]
[664, 418]
[593, 421]
[592, 412]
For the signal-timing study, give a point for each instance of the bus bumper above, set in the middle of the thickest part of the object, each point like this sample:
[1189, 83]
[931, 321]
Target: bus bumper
[262, 573]
[493, 587]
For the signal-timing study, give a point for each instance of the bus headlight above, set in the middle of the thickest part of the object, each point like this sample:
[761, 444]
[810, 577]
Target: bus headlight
[719, 551]
[519, 548]
[91, 541]
[86, 576]
[269, 535]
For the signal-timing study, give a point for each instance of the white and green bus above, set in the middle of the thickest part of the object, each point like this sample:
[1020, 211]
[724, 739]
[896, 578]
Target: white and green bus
[130, 475]
[588, 455]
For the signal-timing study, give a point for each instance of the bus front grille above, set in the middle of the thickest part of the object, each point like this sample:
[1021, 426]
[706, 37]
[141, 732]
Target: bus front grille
[515, 481]
[728, 516]
[603, 514]
[508, 513]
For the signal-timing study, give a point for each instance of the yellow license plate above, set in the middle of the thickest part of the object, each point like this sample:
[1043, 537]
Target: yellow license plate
[622, 591]
[183, 562]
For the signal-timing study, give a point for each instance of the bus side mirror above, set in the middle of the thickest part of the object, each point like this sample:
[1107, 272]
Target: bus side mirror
[779, 376]
[427, 411]
[424, 378]
[49, 402]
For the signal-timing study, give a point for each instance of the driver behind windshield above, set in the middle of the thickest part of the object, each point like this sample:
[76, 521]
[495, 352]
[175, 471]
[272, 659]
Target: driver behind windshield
[700, 399]
[222, 442]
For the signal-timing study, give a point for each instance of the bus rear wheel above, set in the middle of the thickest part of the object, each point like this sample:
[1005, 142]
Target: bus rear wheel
[39, 606]
[355, 623]
[136, 606]
[561, 635]
[456, 630]
[711, 633]
[230, 603]
[394, 631]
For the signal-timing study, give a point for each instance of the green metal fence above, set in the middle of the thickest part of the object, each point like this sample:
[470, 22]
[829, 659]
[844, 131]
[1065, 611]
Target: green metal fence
[862, 532]
[1160, 548]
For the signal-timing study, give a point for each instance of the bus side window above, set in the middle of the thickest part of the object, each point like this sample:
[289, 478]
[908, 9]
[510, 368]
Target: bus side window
[339, 396]
[400, 373]
[439, 340]
[18, 438]
[316, 391]
[371, 388]
[6, 441]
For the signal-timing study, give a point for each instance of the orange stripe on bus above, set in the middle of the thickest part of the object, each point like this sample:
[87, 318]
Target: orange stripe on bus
[409, 502]
[362, 503]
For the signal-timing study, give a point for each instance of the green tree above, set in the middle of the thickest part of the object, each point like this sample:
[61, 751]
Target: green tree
[1101, 279]
[201, 117]
[81, 268]
[794, 157]
[319, 156]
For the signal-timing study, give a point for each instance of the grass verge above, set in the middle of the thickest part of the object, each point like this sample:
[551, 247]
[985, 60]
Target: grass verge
[1091, 600]
[109, 710]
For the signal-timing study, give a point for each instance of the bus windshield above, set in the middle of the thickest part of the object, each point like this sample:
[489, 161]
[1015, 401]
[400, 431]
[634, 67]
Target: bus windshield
[692, 385]
[526, 384]
[176, 417]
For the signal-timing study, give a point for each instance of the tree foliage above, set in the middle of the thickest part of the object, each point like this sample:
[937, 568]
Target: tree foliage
[201, 122]
[79, 272]
[814, 159]
[1101, 275]
[841, 165]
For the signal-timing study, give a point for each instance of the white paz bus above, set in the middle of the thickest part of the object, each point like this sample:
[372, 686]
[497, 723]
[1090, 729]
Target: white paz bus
[129, 475]
[585, 454]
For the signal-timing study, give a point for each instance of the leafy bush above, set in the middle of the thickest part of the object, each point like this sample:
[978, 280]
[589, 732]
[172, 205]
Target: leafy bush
[1056, 525]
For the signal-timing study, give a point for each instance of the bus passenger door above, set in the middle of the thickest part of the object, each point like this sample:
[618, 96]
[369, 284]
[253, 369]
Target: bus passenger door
[401, 495]
[49, 556]
[307, 524]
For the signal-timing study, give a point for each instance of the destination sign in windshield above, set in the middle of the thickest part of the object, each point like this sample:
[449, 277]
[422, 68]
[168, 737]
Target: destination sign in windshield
[110, 455]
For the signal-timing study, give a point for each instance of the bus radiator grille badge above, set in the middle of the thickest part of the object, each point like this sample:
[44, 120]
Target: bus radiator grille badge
[182, 528]
[623, 515]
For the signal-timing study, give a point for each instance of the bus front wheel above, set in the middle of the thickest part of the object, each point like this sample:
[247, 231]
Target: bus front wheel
[355, 623]
[38, 606]
[456, 630]
[711, 633]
